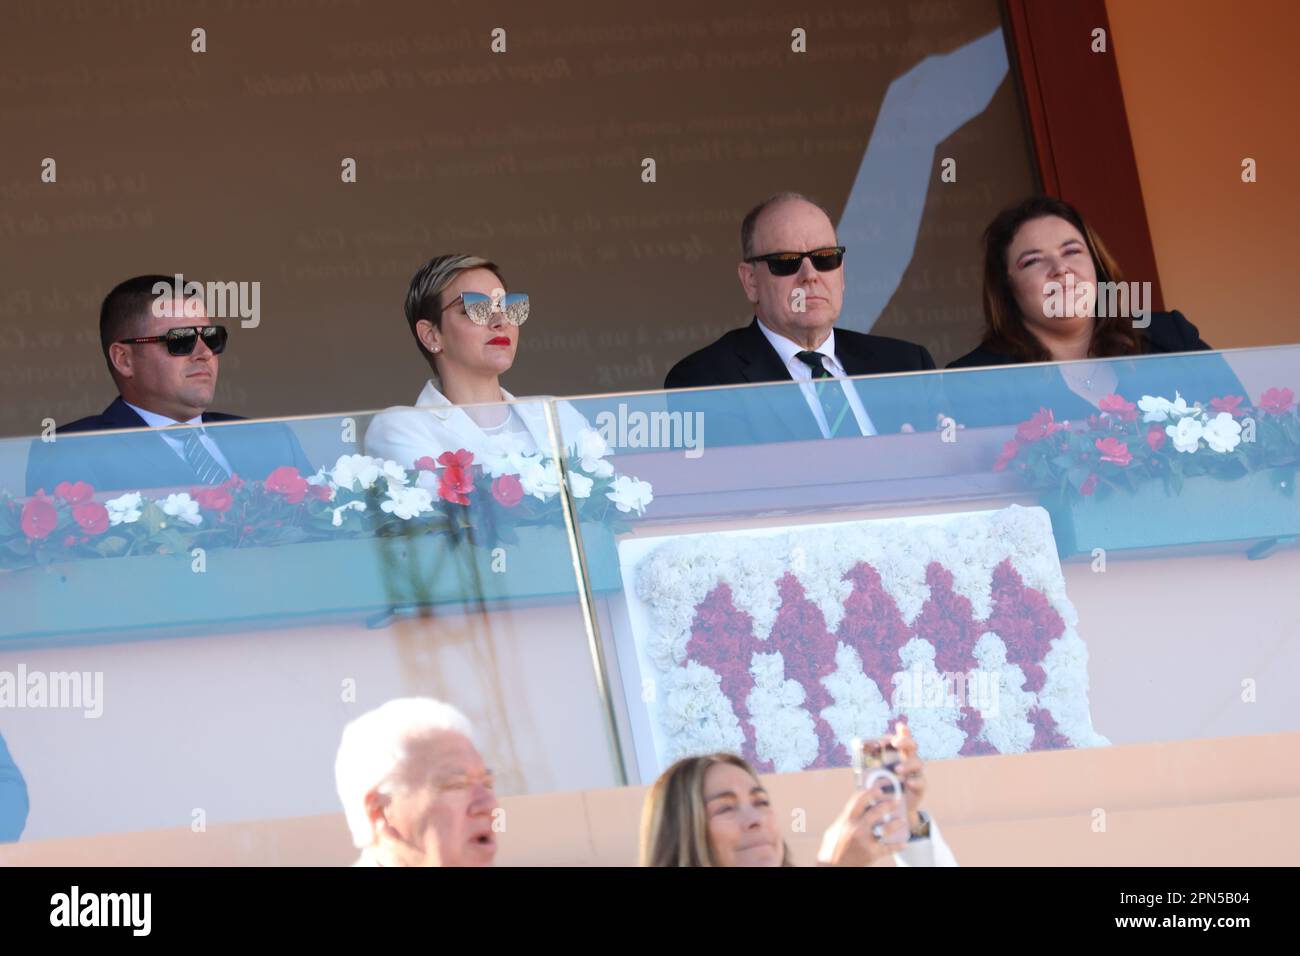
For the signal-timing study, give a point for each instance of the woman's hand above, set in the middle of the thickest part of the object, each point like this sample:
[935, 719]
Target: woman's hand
[849, 841]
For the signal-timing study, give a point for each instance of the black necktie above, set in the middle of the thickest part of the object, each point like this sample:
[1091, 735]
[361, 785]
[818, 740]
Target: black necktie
[830, 393]
[205, 466]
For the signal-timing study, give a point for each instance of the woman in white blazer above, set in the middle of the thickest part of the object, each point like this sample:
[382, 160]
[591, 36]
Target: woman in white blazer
[467, 327]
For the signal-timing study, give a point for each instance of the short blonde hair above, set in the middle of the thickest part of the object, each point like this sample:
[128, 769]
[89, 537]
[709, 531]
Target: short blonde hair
[424, 295]
[674, 820]
[375, 746]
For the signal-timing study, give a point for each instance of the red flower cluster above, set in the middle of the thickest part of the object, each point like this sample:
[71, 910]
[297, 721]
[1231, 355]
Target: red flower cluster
[1118, 407]
[1228, 403]
[507, 491]
[216, 498]
[1025, 620]
[457, 478]
[39, 517]
[722, 639]
[286, 481]
[1114, 450]
[1277, 401]
[1039, 426]
[808, 650]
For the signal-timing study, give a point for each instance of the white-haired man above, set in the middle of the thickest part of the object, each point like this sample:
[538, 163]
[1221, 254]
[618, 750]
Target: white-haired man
[414, 788]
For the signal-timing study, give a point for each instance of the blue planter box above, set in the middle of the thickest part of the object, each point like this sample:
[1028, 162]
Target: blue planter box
[123, 598]
[1260, 507]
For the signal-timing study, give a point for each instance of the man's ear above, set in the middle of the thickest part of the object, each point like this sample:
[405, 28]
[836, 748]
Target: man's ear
[377, 811]
[745, 270]
[121, 358]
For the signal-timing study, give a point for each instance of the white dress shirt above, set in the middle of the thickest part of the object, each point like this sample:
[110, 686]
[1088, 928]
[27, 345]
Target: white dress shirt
[174, 441]
[800, 371]
[434, 425]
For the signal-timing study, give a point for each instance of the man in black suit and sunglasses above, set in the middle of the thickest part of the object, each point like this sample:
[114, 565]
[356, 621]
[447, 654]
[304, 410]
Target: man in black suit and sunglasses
[163, 355]
[792, 271]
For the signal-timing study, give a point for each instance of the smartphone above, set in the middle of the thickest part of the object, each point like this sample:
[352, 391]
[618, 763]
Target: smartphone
[873, 762]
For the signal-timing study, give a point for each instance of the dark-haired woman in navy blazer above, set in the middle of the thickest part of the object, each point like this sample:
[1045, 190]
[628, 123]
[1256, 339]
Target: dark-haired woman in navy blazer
[1026, 248]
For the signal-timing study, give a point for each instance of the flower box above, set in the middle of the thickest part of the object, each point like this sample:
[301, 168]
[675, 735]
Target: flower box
[1259, 506]
[113, 599]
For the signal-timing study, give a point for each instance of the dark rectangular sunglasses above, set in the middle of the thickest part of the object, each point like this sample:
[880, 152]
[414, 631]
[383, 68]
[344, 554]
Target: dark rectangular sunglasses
[788, 263]
[182, 341]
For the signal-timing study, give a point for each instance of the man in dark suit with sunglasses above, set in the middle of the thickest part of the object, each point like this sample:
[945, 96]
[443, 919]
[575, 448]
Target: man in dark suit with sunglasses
[792, 271]
[163, 354]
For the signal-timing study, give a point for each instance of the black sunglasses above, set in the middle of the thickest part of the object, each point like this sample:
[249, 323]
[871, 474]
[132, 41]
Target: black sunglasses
[788, 263]
[181, 341]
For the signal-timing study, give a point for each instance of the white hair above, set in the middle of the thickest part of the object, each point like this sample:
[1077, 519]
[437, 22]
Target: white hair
[375, 745]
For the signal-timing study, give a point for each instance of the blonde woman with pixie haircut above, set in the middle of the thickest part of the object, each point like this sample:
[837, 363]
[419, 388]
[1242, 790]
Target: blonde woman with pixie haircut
[467, 328]
[713, 810]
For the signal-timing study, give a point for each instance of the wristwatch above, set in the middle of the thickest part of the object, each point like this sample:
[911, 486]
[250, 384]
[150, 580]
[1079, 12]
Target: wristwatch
[922, 830]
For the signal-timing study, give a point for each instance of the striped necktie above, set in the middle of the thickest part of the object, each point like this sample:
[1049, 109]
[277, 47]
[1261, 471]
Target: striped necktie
[830, 393]
[205, 466]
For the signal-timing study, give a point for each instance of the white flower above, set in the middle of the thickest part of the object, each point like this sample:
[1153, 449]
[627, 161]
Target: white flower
[1222, 433]
[630, 494]
[580, 485]
[124, 510]
[1159, 409]
[353, 472]
[504, 454]
[406, 503]
[1156, 409]
[539, 478]
[182, 506]
[1186, 434]
[360, 472]
[350, 506]
[590, 449]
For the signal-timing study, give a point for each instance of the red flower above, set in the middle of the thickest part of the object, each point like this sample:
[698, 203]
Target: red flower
[1156, 437]
[73, 493]
[507, 490]
[459, 459]
[39, 518]
[1089, 485]
[286, 481]
[69, 540]
[91, 516]
[1228, 403]
[426, 464]
[218, 498]
[456, 480]
[1277, 401]
[1038, 427]
[1117, 407]
[1009, 451]
[1114, 450]
[319, 492]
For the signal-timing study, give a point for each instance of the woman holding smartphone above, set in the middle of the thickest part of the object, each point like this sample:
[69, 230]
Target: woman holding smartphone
[713, 811]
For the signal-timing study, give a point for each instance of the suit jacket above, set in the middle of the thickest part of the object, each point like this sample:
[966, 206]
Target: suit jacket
[434, 425]
[144, 460]
[744, 416]
[1014, 396]
[13, 797]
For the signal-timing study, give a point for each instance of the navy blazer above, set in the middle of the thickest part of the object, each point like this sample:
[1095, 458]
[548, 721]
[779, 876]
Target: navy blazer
[1015, 395]
[13, 797]
[744, 416]
[144, 460]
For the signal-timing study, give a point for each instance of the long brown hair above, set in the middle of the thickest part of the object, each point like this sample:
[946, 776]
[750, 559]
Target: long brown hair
[1005, 331]
[674, 824]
